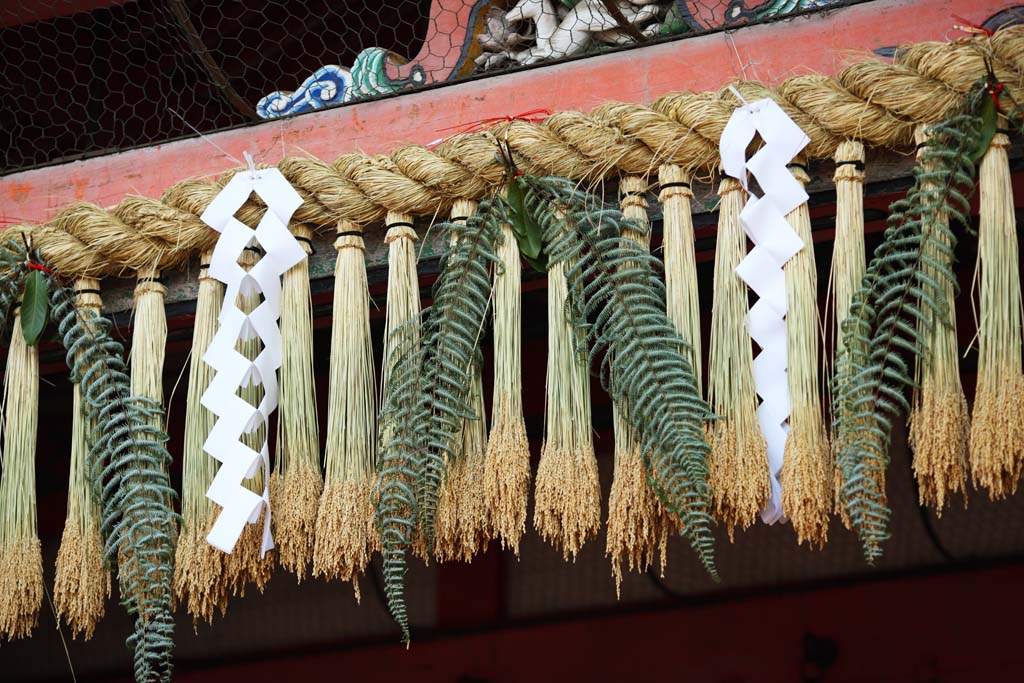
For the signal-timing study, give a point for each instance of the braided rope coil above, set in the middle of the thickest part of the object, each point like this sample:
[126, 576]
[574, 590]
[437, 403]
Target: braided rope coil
[876, 103]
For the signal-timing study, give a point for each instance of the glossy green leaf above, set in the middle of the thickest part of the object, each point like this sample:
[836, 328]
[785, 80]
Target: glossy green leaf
[989, 122]
[524, 224]
[35, 307]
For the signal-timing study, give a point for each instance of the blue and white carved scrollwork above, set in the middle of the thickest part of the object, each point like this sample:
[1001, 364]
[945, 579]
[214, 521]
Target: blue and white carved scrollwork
[328, 85]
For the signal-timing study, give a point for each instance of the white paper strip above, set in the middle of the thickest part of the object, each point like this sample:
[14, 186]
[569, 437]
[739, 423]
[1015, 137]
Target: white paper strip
[235, 416]
[764, 221]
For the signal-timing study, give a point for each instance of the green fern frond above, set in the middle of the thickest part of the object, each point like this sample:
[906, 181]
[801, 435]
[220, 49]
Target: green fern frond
[128, 464]
[428, 396]
[902, 295]
[13, 269]
[617, 304]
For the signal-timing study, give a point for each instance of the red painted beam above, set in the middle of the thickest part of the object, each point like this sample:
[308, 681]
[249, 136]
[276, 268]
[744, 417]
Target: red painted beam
[816, 43]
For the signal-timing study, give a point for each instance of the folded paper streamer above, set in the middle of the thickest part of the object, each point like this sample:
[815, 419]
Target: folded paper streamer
[236, 416]
[775, 242]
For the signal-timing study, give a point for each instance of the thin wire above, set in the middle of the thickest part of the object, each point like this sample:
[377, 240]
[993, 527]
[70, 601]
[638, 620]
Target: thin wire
[206, 138]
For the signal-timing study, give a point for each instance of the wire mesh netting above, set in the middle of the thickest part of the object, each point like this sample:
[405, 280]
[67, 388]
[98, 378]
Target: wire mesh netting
[86, 77]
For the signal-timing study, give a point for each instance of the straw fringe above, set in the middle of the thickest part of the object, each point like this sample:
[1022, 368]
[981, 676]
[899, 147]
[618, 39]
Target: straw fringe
[738, 466]
[873, 101]
[345, 536]
[507, 464]
[939, 420]
[997, 429]
[296, 483]
[21, 561]
[198, 566]
[848, 260]
[567, 507]
[807, 466]
[81, 582]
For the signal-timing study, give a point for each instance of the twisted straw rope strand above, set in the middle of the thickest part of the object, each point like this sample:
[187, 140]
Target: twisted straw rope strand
[876, 103]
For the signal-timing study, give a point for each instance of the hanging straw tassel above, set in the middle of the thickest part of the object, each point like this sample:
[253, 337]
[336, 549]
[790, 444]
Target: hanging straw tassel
[807, 478]
[345, 536]
[149, 338]
[403, 307]
[683, 302]
[297, 482]
[997, 428]
[462, 523]
[939, 421]
[637, 522]
[81, 584]
[848, 259]
[244, 565]
[738, 468]
[507, 466]
[567, 507]
[199, 568]
[21, 558]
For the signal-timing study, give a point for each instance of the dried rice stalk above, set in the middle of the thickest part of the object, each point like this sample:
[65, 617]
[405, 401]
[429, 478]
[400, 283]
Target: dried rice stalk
[939, 421]
[997, 428]
[567, 507]
[462, 525]
[345, 536]
[738, 467]
[81, 584]
[807, 466]
[848, 258]
[683, 301]
[637, 522]
[199, 580]
[149, 338]
[297, 482]
[244, 565]
[507, 466]
[21, 560]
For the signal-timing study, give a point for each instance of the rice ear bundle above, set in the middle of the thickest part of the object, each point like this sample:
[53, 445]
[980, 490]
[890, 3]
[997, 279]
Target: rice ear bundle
[462, 524]
[848, 257]
[21, 559]
[345, 535]
[296, 482]
[199, 580]
[939, 421]
[997, 428]
[81, 583]
[637, 521]
[403, 308]
[507, 465]
[245, 565]
[808, 482]
[567, 499]
[738, 465]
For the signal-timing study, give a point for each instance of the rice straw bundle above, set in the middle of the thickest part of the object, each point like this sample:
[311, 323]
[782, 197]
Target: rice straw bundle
[507, 466]
[21, 559]
[244, 565]
[683, 302]
[848, 258]
[807, 475]
[297, 482]
[199, 576]
[149, 338]
[403, 307]
[997, 425]
[345, 535]
[567, 500]
[939, 421]
[637, 522]
[738, 467]
[462, 524]
[81, 584]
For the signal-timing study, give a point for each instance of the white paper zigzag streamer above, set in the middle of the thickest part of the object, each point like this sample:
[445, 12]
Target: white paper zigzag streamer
[775, 242]
[235, 416]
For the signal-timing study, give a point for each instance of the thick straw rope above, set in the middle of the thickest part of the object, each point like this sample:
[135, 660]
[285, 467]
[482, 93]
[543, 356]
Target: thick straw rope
[874, 102]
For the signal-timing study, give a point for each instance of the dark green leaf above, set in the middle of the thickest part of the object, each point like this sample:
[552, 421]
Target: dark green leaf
[989, 119]
[35, 307]
[524, 223]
